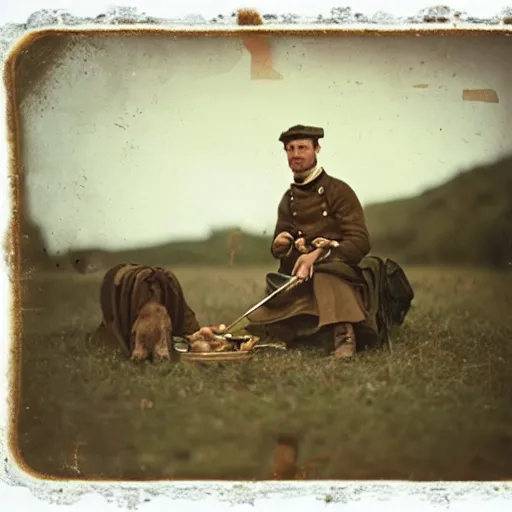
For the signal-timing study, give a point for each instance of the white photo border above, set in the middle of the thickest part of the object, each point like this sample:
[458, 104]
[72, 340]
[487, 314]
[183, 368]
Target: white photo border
[313, 495]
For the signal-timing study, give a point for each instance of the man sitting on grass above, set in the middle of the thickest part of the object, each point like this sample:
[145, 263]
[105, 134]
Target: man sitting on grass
[320, 236]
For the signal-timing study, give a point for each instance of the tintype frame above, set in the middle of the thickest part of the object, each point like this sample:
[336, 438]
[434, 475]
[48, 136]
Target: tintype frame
[125, 21]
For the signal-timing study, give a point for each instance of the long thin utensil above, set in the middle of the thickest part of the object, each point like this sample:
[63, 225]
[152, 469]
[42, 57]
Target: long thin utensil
[181, 344]
[293, 280]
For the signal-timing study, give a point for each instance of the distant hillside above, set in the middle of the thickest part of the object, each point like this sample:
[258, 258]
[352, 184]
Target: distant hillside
[214, 250]
[467, 220]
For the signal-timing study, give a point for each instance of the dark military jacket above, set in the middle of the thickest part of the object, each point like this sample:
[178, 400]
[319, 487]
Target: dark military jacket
[326, 207]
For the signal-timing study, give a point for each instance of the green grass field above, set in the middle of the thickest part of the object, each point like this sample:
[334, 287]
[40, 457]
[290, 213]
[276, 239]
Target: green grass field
[438, 407]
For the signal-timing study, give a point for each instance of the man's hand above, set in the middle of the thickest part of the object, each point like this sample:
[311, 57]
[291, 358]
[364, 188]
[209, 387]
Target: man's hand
[282, 243]
[304, 266]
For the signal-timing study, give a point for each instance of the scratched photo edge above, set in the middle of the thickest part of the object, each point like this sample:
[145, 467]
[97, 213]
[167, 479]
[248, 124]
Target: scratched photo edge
[12, 237]
[12, 257]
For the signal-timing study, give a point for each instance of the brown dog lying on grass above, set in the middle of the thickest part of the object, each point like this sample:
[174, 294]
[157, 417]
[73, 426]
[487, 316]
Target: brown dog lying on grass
[151, 333]
[142, 308]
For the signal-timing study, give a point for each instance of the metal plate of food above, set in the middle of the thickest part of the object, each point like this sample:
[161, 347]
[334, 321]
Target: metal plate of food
[216, 357]
[219, 348]
[211, 347]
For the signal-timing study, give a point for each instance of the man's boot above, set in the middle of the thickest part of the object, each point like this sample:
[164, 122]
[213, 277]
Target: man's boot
[344, 341]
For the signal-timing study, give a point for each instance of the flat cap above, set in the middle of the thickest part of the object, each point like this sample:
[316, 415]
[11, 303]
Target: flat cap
[299, 131]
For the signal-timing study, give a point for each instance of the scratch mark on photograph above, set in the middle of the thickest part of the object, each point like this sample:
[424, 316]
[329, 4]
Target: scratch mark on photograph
[258, 46]
[485, 95]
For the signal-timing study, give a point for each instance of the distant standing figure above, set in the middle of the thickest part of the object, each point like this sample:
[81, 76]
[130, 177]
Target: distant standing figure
[320, 236]
[234, 244]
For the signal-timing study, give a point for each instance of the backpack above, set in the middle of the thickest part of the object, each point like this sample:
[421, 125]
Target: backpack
[390, 292]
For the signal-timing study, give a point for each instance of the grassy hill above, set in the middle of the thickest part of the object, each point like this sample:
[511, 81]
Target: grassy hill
[214, 250]
[467, 220]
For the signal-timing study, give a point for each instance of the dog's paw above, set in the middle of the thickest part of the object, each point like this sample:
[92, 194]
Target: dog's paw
[138, 356]
[162, 357]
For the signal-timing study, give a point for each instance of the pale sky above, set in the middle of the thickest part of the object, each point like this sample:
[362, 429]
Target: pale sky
[168, 138]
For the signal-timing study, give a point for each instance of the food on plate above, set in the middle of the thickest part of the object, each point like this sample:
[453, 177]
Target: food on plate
[214, 339]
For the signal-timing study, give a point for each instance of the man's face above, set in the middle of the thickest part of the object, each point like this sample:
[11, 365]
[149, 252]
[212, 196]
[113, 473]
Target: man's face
[301, 154]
